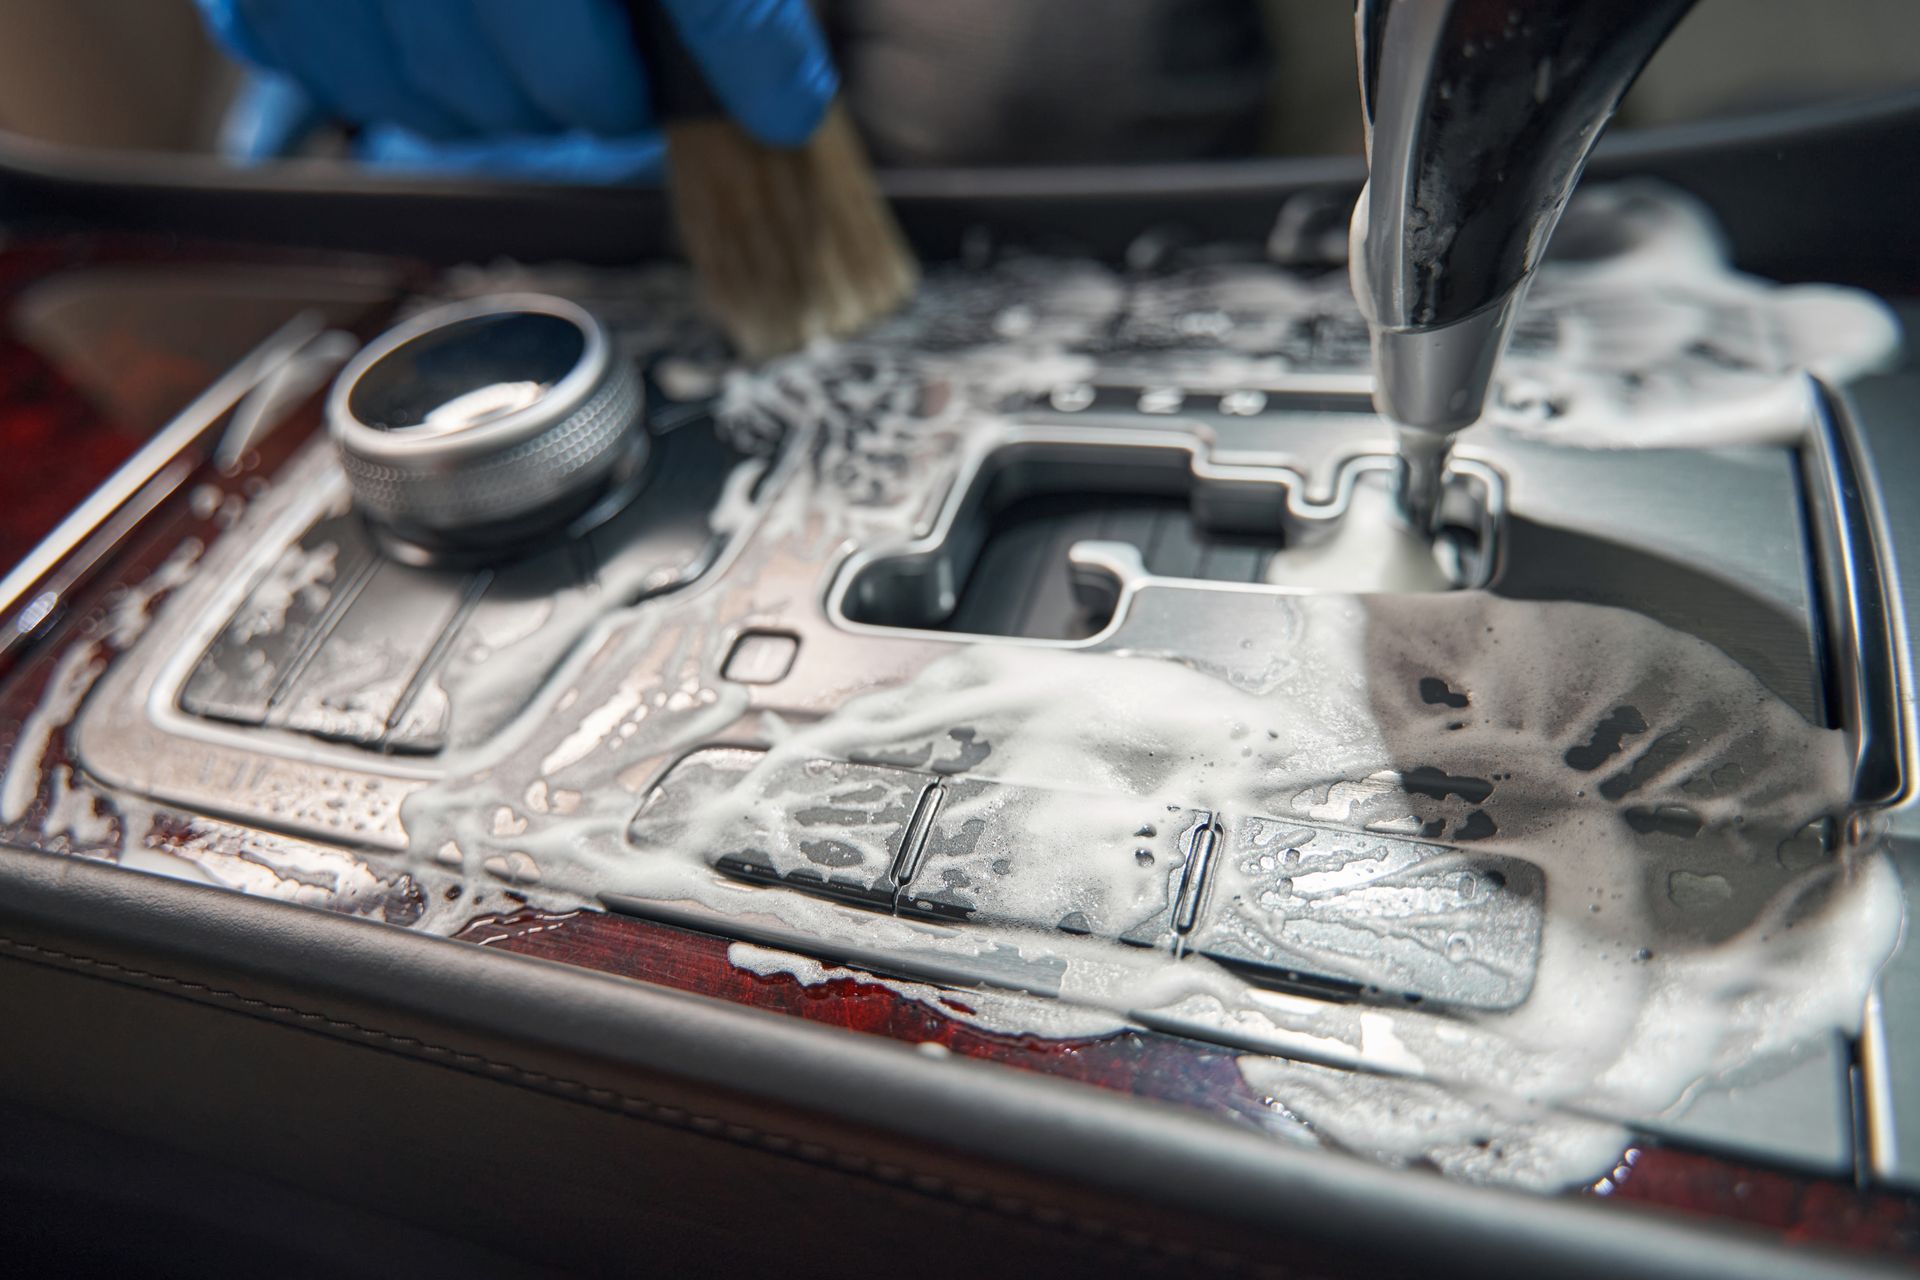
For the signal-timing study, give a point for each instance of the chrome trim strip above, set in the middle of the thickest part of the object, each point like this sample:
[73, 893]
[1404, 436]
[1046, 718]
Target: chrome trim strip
[1863, 642]
[188, 428]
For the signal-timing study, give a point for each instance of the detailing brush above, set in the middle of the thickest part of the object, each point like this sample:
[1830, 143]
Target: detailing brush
[789, 243]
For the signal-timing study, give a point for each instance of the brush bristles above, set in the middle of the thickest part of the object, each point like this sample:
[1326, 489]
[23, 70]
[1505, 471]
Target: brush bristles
[789, 244]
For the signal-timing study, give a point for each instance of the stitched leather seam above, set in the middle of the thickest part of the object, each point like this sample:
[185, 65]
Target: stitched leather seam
[933, 1185]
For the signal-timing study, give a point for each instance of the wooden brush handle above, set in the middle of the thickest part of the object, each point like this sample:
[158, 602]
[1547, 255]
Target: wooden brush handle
[676, 85]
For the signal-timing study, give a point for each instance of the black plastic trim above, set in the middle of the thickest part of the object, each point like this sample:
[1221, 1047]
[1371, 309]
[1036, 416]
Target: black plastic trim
[1808, 193]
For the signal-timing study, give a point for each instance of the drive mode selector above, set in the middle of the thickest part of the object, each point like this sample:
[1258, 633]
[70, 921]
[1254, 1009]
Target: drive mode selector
[478, 425]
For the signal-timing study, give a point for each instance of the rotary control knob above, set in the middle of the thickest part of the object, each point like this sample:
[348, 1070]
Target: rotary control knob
[481, 424]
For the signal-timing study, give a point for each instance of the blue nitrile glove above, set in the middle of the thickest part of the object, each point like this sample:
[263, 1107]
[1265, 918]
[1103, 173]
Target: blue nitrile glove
[548, 88]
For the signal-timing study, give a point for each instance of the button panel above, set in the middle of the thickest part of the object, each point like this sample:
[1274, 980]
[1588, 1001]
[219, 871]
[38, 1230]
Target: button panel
[1294, 905]
[340, 642]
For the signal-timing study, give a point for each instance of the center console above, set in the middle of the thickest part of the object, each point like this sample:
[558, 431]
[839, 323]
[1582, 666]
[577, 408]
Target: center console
[1054, 655]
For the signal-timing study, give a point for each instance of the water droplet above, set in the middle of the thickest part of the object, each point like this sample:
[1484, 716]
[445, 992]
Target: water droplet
[1143, 856]
[1459, 947]
[1146, 831]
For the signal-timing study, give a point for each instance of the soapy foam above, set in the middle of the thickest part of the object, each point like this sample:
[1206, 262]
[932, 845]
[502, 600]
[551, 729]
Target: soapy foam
[991, 1010]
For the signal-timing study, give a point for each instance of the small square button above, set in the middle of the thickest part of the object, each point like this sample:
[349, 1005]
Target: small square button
[761, 657]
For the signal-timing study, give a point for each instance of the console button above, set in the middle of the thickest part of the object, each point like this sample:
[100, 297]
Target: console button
[821, 826]
[761, 657]
[1000, 853]
[496, 656]
[1312, 906]
[366, 670]
[666, 819]
[272, 631]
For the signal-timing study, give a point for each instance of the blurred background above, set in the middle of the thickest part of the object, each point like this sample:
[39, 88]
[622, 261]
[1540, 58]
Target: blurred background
[1004, 81]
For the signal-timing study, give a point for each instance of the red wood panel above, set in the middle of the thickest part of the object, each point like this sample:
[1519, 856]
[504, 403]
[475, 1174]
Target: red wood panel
[88, 374]
[58, 446]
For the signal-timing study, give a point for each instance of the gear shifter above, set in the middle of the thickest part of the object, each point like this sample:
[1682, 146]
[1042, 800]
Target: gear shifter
[1480, 115]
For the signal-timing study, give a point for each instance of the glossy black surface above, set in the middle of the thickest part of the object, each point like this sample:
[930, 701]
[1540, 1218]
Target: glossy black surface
[405, 388]
[1513, 98]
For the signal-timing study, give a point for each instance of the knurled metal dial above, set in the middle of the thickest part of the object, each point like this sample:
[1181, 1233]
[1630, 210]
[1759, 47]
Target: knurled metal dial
[486, 421]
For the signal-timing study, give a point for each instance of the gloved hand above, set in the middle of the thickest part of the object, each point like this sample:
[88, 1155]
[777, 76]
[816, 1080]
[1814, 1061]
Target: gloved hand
[553, 88]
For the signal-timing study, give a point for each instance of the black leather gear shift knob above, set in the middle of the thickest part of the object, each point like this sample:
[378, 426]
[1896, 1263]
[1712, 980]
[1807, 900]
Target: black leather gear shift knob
[1480, 115]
